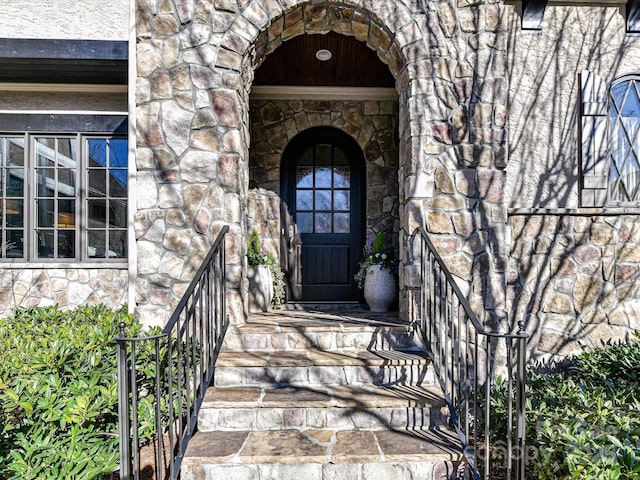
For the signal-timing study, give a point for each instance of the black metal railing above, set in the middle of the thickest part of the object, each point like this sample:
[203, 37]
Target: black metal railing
[170, 388]
[481, 372]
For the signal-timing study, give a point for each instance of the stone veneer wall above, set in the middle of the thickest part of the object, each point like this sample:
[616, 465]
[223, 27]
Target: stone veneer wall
[195, 68]
[575, 280]
[573, 272]
[65, 287]
[373, 124]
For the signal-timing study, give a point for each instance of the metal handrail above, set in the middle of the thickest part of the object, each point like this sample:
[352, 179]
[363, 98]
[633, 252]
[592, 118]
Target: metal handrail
[184, 353]
[464, 357]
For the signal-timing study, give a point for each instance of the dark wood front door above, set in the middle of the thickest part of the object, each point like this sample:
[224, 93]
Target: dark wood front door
[322, 188]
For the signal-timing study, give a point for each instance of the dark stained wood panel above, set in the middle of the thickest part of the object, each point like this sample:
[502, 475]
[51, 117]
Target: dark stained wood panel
[353, 64]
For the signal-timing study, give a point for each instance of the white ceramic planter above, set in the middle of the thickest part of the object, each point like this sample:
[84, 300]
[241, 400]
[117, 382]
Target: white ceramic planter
[260, 288]
[379, 288]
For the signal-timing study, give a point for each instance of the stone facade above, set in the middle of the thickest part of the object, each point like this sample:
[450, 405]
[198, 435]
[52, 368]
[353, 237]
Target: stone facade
[195, 67]
[65, 287]
[482, 148]
[274, 123]
[575, 279]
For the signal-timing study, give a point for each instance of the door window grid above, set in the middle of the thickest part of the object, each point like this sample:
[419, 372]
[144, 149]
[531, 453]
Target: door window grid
[323, 191]
[60, 209]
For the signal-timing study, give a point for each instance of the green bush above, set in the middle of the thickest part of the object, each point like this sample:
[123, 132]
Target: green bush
[584, 422]
[58, 392]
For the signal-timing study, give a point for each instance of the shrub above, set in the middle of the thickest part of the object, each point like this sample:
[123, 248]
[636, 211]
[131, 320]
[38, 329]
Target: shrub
[585, 422]
[58, 392]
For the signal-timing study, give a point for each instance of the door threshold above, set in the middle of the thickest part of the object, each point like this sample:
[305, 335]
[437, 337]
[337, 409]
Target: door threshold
[322, 306]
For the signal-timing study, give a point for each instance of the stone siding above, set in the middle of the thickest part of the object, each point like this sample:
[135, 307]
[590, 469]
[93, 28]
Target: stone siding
[66, 19]
[373, 124]
[575, 280]
[195, 67]
[65, 287]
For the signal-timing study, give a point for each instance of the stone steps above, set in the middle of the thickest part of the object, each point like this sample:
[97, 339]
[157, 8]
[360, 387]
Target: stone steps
[322, 455]
[339, 407]
[323, 396]
[317, 367]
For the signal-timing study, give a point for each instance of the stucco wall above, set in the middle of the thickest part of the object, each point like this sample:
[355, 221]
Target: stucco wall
[544, 88]
[65, 19]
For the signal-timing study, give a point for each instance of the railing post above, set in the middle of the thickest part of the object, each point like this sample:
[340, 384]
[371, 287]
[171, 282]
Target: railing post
[124, 425]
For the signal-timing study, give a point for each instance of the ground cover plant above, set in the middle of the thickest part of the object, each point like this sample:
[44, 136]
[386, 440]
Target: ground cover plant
[584, 422]
[58, 392]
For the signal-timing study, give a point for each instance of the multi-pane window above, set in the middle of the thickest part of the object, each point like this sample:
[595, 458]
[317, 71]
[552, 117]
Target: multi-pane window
[624, 128]
[63, 197]
[323, 191]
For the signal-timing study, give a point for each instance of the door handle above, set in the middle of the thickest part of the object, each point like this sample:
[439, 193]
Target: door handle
[291, 238]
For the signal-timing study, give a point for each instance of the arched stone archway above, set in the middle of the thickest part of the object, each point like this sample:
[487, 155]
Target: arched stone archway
[195, 68]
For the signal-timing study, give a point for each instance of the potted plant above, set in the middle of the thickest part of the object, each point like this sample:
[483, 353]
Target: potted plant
[259, 273]
[377, 274]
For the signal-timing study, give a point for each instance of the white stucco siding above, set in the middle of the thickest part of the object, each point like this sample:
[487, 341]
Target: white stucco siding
[65, 19]
[544, 88]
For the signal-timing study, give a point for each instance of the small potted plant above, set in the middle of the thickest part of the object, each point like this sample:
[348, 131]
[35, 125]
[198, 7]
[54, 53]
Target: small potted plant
[259, 273]
[377, 274]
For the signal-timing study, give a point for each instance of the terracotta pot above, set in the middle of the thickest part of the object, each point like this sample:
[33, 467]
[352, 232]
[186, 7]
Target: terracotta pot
[379, 288]
[260, 288]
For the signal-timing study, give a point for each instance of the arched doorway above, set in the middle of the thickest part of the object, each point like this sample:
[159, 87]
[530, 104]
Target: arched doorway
[322, 193]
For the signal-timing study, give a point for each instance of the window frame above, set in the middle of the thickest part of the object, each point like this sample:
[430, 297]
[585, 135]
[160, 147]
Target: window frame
[611, 125]
[81, 199]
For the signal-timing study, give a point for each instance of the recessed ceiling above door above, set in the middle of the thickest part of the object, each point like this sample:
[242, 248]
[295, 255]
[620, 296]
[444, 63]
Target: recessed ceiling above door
[351, 64]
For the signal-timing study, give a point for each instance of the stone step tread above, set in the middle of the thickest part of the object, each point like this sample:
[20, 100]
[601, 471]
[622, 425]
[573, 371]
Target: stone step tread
[320, 325]
[320, 396]
[316, 357]
[322, 446]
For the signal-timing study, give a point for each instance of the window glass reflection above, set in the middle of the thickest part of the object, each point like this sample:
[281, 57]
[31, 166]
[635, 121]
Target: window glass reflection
[341, 200]
[304, 177]
[304, 200]
[322, 223]
[305, 222]
[341, 223]
[323, 177]
[323, 200]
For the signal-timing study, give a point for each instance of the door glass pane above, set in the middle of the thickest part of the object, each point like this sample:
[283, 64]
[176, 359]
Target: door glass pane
[341, 223]
[341, 200]
[66, 214]
[341, 177]
[305, 222]
[339, 158]
[15, 182]
[323, 223]
[16, 152]
[307, 157]
[323, 154]
[323, 200]
[323, 177]
[97, 152]
[304, 200]
[304, 177]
